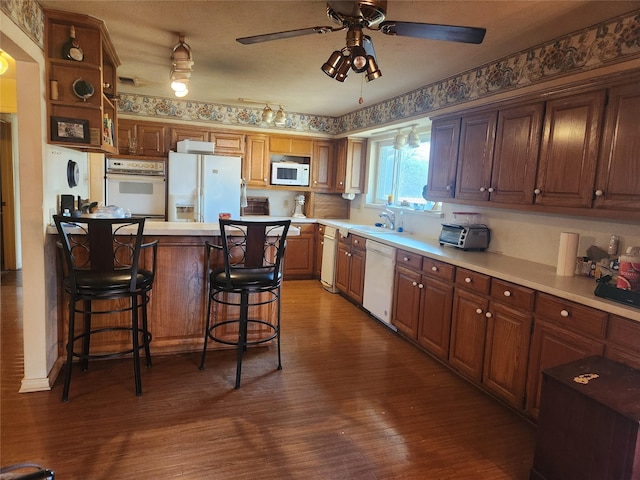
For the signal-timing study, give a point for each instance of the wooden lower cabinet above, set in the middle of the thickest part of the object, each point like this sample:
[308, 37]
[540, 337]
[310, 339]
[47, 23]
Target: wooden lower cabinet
[299, 257]
[490, 337]
[623, 341]
[423, 301]
[468, 332]
[350, 264]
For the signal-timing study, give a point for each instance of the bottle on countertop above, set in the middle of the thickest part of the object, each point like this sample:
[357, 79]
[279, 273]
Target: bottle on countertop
[614, 242]
[400, 226]
[629, 270]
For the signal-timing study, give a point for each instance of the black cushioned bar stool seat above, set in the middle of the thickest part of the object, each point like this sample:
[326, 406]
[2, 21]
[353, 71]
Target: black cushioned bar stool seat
[248, 275]
[101, 261]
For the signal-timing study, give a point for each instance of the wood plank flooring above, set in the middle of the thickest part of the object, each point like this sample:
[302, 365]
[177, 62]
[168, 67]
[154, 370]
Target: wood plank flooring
[353, 401]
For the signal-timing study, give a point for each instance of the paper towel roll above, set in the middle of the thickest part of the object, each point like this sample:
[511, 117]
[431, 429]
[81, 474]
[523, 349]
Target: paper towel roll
[567, 254]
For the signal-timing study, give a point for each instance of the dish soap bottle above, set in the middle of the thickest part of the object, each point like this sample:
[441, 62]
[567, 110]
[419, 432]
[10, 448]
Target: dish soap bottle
[400, 226]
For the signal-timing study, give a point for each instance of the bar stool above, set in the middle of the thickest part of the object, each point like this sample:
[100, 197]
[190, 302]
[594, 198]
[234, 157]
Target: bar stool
[101, 261]
[251, 276]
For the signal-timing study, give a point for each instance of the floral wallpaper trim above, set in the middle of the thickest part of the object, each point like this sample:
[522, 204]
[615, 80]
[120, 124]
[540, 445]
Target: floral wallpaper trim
[28, 16]
[604, 44]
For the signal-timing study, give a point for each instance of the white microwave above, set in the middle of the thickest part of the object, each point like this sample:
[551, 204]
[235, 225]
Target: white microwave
[290, 173]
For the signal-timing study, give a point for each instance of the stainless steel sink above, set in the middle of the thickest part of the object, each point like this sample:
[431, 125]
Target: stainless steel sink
[374, 229]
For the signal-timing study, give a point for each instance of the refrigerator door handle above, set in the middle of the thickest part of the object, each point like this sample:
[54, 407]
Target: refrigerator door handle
[199, 214]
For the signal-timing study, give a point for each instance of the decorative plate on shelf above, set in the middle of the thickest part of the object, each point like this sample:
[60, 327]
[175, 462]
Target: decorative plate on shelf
[82, 89]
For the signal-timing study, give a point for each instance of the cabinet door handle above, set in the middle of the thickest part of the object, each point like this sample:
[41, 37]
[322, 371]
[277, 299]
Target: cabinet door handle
[434, 269]
[564, 313]
[599, 193]
[468, 280]
[448, 187]
[488, 315]
[537, 191]
[415, 284]
[348, 254]
[479, 311]
[405, 259]
[420, 285]
[482, 189]
[491, 189]
[506, 293]
[356, 241]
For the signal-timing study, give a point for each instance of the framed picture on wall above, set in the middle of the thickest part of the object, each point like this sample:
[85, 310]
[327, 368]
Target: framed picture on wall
[71, 130]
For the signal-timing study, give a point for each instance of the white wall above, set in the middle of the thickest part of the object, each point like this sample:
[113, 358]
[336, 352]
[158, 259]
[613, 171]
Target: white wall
[529, 236]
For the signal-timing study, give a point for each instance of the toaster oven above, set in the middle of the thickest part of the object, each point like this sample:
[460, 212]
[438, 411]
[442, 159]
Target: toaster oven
[466, 237]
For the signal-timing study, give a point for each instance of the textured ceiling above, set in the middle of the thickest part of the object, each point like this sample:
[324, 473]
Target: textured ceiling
[287, 71]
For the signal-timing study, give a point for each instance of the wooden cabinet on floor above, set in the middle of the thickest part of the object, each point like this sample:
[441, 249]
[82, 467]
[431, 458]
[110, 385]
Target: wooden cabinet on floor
[623, 340]
[588, 430]
[299, 256]
[350, 264]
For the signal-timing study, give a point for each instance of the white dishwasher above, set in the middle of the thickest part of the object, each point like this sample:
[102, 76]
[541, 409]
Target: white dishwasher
[378, 280]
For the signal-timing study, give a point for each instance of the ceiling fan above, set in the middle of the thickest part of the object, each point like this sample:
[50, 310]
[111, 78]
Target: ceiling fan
[358, 55]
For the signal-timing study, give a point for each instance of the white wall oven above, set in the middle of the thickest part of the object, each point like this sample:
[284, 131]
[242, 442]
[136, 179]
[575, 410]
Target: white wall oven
[138, 185]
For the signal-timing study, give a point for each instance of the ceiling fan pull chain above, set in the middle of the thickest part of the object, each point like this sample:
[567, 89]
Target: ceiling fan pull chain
[361, 99]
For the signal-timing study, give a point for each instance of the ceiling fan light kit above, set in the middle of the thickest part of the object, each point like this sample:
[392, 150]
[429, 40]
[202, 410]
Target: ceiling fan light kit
[359, 55]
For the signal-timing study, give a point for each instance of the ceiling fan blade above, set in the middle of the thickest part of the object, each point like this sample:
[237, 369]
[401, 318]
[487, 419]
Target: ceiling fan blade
[267, 37]
[432, 31]
[368, 46]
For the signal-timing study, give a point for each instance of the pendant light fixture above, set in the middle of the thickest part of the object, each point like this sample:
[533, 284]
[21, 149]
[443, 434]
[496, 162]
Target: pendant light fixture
[400, 141]
[267, 114]
[413, 139]
[181, 67]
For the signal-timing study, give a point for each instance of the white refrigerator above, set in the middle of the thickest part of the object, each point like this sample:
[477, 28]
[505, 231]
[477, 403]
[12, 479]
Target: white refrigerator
[201, 187]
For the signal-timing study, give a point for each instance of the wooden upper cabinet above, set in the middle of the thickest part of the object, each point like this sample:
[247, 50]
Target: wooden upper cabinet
[126, 132]
[179, 133]
[151, 139]
[569, 151]
[443, 160]
[475, 156]
[228, 143]
[291, 146]
[617, 184]
[351, 156]
[97, 67]
[256, 164]
[322, 164]
[515, 156]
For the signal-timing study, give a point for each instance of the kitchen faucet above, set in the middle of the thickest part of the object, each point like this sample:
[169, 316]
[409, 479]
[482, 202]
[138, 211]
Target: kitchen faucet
[389, 215]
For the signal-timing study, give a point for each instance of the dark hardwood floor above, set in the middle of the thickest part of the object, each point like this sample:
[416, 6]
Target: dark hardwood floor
[353, 401]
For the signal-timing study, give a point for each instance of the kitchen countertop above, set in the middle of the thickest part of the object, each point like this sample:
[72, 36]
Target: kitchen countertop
[533, 275]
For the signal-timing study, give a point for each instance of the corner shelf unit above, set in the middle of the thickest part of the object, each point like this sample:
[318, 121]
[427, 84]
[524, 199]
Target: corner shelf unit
[91, 122]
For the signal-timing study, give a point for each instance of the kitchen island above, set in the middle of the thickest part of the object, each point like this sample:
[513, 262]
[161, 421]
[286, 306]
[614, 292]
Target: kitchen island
[178, 300]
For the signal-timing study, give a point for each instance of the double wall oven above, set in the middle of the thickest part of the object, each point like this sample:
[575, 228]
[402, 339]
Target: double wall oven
[137, 185]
